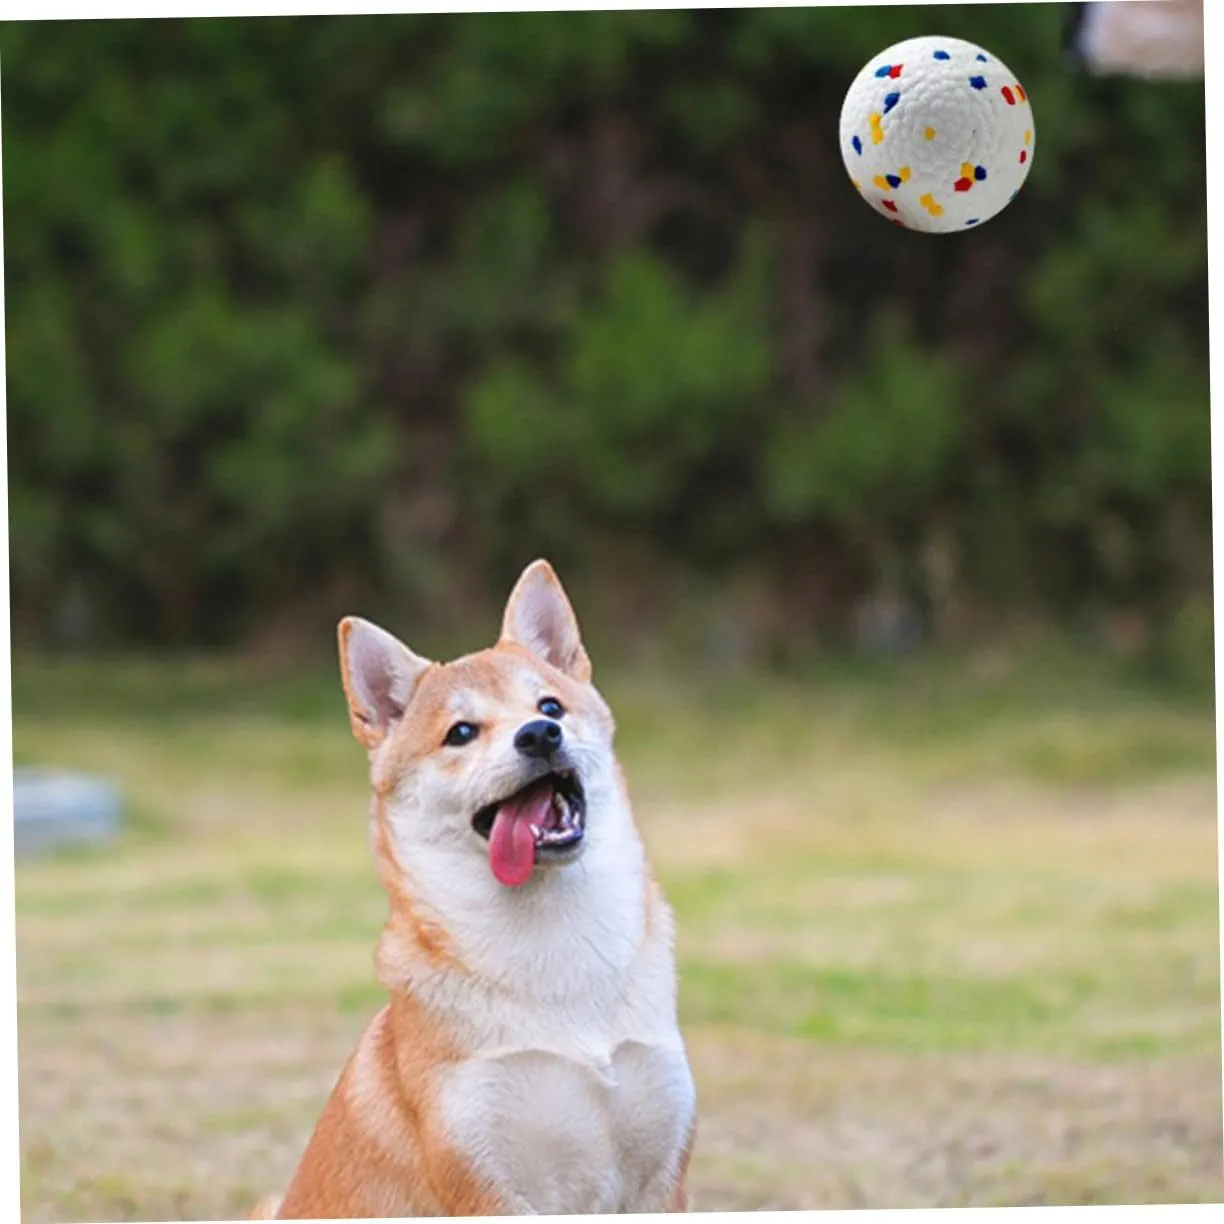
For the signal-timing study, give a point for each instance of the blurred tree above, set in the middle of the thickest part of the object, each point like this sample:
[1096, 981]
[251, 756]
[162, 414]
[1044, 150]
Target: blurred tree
[315, 310]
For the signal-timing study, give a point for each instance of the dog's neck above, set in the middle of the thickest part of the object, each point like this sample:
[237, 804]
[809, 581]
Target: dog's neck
[567, 942]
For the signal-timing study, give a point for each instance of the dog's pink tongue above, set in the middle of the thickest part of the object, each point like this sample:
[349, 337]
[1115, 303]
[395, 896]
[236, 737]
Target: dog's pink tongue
[511, 842]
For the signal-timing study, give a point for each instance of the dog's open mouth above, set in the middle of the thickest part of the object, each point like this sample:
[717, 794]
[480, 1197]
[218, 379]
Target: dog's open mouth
[542, 823]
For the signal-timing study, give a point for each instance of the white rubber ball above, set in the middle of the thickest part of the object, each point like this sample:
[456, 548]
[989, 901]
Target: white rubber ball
[937, 134]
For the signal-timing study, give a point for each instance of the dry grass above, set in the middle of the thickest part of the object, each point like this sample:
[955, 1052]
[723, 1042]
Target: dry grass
[944, 941]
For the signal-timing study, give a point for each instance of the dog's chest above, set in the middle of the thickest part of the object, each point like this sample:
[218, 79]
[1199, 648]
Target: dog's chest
[555, 1135]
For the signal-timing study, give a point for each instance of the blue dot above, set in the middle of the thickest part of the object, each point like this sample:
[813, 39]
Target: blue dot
[978, 82]
[982, 58]
[891, 100]
[893, 180]
[979, 173]
[858, 146]
[942, 55]
[972, 221]
[883, 72]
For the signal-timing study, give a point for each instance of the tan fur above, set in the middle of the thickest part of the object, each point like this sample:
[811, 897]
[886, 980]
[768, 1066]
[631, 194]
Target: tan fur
[528, 1060]
[406, 929]
[681, 1200]
[374, 1152]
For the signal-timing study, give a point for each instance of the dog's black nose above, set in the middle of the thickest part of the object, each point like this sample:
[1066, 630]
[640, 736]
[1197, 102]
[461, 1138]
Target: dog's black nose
[539, 738]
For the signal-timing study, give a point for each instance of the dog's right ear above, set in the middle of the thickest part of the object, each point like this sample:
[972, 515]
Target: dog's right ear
[379, 674]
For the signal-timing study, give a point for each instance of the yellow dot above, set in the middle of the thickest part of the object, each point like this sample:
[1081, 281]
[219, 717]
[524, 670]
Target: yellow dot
[1028, 137]
[966, 170]
[904, 174]
[928, 202]
[882, 183]
[929, 133]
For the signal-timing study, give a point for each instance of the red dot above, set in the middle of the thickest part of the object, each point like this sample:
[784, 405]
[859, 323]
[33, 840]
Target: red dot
[1011, 97]
[889, 205]
[962, 184]
[1023, 156]
[895, 71]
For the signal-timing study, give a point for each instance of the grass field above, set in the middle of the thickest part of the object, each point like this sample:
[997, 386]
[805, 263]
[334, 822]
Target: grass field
[948, 934]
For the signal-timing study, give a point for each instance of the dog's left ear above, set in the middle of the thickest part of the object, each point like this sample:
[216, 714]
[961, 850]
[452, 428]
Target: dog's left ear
[539, 618]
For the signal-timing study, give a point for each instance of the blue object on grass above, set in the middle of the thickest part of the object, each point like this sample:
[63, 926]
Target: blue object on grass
[53, 809]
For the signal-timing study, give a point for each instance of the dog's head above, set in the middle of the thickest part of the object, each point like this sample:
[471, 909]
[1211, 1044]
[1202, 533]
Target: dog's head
[503, 755]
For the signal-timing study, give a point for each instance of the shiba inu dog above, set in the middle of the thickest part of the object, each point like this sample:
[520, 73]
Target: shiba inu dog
[529, 1060]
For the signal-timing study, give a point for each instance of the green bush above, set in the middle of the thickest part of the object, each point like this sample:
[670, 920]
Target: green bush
[314, 312]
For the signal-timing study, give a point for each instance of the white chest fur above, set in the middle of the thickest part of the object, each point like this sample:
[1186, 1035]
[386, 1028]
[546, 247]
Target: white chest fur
[555, 1134]
[574, 1095]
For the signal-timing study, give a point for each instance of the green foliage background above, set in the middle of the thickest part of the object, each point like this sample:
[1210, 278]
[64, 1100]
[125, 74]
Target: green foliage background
[346, 313]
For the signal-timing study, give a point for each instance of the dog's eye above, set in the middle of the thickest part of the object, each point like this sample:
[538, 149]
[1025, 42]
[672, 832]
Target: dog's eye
[461, 733]
[550, 707]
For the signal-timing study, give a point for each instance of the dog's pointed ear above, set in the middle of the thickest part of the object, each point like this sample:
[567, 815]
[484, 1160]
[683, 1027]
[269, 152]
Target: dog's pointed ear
[539, 618]
[379, 674]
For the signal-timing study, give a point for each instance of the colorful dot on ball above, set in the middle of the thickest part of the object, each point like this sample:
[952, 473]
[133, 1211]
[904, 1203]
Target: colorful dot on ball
[978, 82]
[942, 55]
[857, 145]
[890, 101]
[979, 173]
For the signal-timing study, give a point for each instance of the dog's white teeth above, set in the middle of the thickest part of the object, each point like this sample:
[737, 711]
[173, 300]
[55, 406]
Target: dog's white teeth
[558, 804]
[535, 832]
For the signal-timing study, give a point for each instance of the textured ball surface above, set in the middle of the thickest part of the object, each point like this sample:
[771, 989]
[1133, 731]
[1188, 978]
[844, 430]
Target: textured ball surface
[937, 134]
